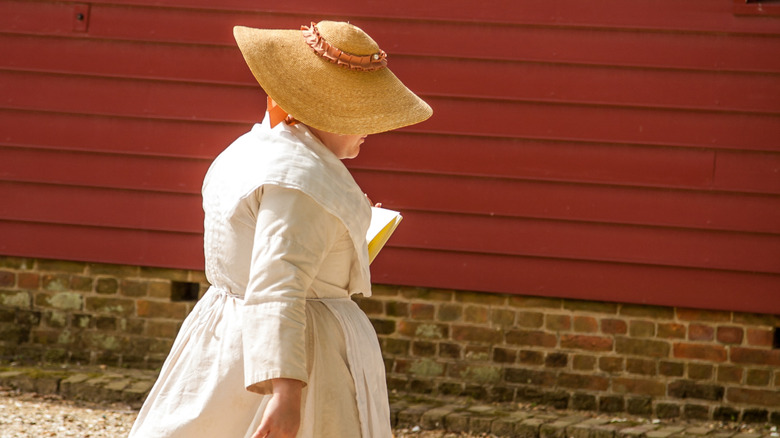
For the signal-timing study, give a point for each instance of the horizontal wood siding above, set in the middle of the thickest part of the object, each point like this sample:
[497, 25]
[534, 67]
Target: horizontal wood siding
[606, 150]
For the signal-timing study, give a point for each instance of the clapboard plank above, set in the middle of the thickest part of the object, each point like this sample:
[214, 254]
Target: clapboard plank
[692, 15]
[607, 46]
[748, 252]
[579, 202]
[100, 207]
[546, 82]
[184, 101]
[615, 282]
[102, 245]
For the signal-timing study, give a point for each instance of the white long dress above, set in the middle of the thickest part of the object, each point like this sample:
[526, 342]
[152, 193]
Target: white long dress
[285, 248]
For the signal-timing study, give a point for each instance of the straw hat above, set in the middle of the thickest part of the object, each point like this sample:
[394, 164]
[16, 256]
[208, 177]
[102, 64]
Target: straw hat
[331, 76]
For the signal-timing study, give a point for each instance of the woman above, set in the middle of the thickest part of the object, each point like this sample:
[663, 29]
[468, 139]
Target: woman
[276, 348]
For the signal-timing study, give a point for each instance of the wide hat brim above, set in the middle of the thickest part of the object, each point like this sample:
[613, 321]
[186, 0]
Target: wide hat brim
[324, 95]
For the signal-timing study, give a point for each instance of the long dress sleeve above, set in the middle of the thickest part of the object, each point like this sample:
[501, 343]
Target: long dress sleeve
[292, 236]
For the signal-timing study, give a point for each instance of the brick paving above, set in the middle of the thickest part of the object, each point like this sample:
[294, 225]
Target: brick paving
[409, 413]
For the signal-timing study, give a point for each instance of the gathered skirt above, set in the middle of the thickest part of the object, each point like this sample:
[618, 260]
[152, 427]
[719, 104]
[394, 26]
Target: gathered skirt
[201, 390]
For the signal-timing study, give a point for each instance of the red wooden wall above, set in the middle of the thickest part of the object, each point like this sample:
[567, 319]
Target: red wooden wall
[609, 150]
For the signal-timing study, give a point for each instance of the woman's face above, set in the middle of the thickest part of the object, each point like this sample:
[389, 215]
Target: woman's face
[342, 145]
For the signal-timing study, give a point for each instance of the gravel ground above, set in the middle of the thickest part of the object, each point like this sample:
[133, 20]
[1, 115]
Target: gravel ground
[31, 415]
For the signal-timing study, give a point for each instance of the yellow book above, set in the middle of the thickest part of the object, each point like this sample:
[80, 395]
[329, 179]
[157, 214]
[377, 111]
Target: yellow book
[383, 223]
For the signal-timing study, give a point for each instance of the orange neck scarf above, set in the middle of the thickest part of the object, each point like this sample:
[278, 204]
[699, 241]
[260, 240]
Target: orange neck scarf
[277, 115]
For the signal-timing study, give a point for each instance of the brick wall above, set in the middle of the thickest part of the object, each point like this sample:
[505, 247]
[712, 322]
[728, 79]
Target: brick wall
[86, 313]
[661, 361]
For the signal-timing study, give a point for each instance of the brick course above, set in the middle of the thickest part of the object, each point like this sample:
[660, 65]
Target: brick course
[578, 354]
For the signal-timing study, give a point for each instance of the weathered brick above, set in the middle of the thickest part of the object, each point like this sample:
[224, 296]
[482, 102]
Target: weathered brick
[61, 266]
[725, 413]
[162, 329]
[450, 312]
[712, 353]
[56, 319]
[161, 309]
[671, 330]
[584, 402]
[642, 405]
[729, 374]
[535, 302]
[502, 317]
[642, 311]
[556, 360]
[667, 410]
[557, 322]
[696, 412]
[531, 357]
[700, 371]
[691, 389]
[630, 385]
[585, 324]
[476, 334]
[482, 298]
[611, 364]
[530, 319]
[28, 280]
[701, 332]
[392, 308]
[7, 279]
[584, 342]
[59, 300]
[758, 377]
[641, 329]
[730, 334]
[613, 326]
[641, 347]
[105, 323]
[703, 315]
[55, 282]
[672, 369]
[367, 305]
[382, 290]
[590, 306]
[529, 377]
[753, 415]
[450, 350]
[421, 311]
[14, 298]
[755, 356]
[582, 362]
[131, 288]
[583, 381]
[80, 283]
[530, 337]
[641, 366]
[159, 289]
[385, 326]
[611, 403]
[429, 295]
[16, 262]
[504, 355]
[757, 319]
[118, 271]
[119, 306]
[422, 329]
[106, 286]
[162, 273]
[482, 374]
[760, 337]
[132, 326]
[397, 347]
[476, 314]
[423, 349]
